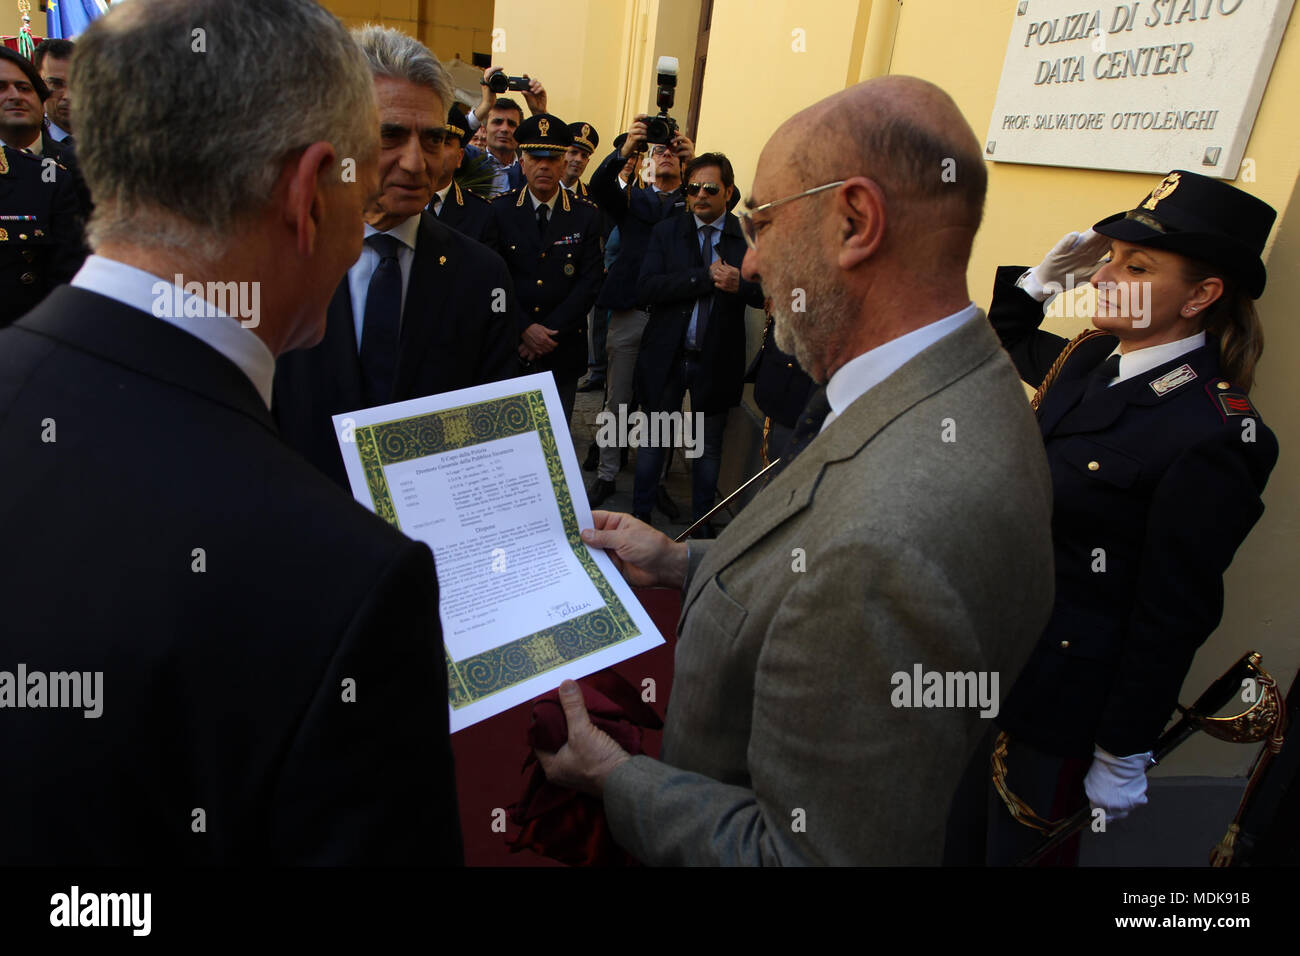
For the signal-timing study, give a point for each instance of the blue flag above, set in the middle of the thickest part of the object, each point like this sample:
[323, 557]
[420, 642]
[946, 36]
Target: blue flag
[66, 18]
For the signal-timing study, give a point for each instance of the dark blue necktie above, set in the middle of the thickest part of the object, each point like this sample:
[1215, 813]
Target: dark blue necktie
[695, 331]
[541, 220]
[809, 425]
[1100, 378]
[382, 322]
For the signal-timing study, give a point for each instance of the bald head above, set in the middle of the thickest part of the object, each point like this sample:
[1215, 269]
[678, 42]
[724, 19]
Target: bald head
[909, 137]
[884, 253]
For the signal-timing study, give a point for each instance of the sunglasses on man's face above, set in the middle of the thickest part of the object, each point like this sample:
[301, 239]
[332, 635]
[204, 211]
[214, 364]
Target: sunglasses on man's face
[711, 188]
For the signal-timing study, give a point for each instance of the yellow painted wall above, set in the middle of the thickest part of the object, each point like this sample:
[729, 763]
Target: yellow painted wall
[597, 58]
[10, 20]
[756, 79]
[447, 27]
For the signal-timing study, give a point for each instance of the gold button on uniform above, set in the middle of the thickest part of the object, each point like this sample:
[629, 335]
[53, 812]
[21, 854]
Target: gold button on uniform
[1064, 644]
[27, 278]
[539, 281]
[1224, 386]
[1094, 466]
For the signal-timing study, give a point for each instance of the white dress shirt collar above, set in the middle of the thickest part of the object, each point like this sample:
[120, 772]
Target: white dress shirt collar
[57, 132]
[549, 204]
[1143, 360]
[157, 297]
[861, 374]
[439, 198]
[404, 232]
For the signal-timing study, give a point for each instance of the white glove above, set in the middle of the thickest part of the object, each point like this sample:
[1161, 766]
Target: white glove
[1077, 255]
[1117, 784]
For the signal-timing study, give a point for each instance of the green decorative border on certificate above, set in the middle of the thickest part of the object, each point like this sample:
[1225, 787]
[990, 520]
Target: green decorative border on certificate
[495, 670]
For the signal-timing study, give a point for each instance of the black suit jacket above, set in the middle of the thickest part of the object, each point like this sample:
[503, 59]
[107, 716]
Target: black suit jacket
[1155, 486]
[781, 387]
[557, 275]
[636, 211]
[470, 215]
[673, 278]
[223, 683]
[458, 330]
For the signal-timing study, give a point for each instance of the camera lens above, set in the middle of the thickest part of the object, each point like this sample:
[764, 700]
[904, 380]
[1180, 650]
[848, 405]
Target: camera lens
[656, 130]
[498, 83]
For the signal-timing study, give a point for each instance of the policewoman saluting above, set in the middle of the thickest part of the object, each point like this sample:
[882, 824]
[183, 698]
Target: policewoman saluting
[1158, 459]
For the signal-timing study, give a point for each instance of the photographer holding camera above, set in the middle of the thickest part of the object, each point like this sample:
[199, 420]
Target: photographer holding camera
[636, 212]
[501, 117]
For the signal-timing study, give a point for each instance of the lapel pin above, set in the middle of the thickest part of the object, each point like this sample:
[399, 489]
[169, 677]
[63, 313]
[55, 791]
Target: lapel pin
[442, 260]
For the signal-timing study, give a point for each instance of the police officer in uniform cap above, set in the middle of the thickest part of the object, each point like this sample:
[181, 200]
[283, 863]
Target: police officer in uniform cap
[459, 208]
[40, 233]
[550, 240]
[576, 157]
[1158, 459]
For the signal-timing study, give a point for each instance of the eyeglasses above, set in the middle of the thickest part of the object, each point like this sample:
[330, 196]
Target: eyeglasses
[747, 226]
[711, 188]
[658, 150]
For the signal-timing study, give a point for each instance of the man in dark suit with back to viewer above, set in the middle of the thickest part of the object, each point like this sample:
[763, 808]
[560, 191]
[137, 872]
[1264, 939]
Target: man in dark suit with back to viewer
[225, 660]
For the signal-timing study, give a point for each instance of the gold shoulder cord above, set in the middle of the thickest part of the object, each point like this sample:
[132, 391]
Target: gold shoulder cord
[1055, 370]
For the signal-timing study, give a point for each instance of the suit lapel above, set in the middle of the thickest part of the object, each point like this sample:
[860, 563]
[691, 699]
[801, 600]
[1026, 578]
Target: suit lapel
[937, 367]
[340, 348]
[422, 313]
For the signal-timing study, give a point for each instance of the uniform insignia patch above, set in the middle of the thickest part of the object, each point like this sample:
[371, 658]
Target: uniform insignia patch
[1234, 403]
[568, 269]
[4, 162]
[1171, 380]
[4, 235]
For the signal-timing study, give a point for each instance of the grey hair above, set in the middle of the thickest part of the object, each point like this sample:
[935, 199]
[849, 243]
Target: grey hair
[394, 54]
[188, 117]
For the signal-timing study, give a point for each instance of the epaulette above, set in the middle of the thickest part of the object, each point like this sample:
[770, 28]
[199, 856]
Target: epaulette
[1229, 400]
[19, 156]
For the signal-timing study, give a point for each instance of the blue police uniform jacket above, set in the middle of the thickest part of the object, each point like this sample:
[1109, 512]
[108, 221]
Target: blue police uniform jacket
[1156, 482]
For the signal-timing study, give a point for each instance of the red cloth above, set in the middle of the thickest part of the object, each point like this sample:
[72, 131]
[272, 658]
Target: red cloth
[561, 823]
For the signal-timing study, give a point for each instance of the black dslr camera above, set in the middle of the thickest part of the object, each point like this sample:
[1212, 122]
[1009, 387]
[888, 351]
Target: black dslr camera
[662, 128]
[500, 83]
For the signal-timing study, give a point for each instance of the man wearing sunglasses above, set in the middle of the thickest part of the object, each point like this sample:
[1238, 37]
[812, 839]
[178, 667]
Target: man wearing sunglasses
[695, 339]
[635, 212]
[905, 546]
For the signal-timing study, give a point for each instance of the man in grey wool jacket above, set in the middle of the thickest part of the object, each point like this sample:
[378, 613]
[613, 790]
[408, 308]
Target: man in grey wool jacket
[845, 641]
